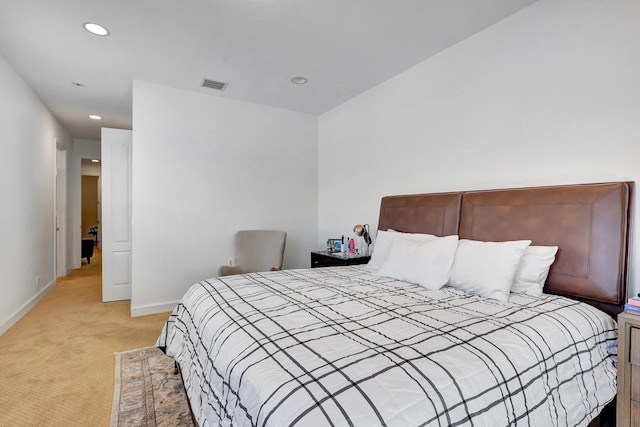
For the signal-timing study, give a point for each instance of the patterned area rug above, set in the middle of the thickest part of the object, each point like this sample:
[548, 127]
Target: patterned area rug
[147, 392]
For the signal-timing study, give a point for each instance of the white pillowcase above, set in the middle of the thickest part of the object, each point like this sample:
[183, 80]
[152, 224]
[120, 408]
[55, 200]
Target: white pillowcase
[533, 270]
[487, 268]
[426, 263]
[383, 242]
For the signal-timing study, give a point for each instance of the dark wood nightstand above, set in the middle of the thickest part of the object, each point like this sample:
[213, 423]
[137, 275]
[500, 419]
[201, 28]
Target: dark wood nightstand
[325, 259]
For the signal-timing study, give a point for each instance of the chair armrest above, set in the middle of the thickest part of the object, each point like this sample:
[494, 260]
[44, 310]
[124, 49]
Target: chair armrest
[227, 270]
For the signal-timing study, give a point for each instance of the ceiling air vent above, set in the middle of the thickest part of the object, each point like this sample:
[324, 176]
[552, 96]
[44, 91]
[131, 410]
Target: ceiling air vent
[212, 84]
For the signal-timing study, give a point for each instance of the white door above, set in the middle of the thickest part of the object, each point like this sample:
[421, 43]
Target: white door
[116, 214]
[61, 212]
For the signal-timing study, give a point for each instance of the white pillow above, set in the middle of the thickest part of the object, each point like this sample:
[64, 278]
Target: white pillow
[487, 268]
[533, 270]
[383, 242]
[424, 263]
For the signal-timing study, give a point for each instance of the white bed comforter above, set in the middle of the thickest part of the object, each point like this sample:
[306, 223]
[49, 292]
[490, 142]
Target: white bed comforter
[341, 346]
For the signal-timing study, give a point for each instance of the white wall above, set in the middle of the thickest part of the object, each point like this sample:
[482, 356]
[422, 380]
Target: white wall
[547, 96]
[205, 167]
[91, 169]
[28, 135]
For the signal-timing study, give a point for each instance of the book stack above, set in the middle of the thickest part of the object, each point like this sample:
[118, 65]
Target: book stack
[633, 305]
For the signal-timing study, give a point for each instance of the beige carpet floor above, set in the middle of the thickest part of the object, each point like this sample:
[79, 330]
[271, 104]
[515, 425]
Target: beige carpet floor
[57, 362]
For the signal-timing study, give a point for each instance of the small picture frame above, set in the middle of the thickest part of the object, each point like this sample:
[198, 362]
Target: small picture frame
[334, 245]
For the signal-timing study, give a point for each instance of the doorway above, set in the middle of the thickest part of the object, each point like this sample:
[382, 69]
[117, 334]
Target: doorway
[90, 208]
[90, 215]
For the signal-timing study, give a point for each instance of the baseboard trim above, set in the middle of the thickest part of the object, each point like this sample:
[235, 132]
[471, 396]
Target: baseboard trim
[20, 313]
[144, 310]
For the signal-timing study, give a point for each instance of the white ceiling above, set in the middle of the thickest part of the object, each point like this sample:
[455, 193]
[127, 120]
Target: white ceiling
[343, 47]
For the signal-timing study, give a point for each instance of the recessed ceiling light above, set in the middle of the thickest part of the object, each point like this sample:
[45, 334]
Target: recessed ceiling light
[299, 80]
[94, 117]
[96, 29]
[95, 161]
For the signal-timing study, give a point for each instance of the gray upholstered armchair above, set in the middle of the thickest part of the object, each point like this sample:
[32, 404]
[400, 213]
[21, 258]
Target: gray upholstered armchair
[256, 250]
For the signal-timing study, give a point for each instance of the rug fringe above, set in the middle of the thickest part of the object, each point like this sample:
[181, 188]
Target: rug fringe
[117, 380]
[135, 349]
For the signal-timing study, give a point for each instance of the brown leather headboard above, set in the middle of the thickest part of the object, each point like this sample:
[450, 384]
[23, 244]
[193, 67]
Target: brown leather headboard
[437, 214]
[589, 223]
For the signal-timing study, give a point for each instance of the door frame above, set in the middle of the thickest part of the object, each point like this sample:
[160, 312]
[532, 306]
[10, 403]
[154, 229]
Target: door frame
[60, 210]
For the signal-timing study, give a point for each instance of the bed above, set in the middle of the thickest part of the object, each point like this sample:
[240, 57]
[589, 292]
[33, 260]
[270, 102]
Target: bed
[348, 346]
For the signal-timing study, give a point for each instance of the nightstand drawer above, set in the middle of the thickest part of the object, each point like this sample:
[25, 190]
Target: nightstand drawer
[635, 383]
[634, 353]
[635, 413]
[634, 360]
[324, 261]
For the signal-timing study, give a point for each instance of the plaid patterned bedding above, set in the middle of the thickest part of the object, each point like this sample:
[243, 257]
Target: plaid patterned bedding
[341, 346]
